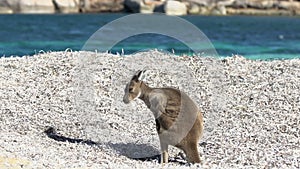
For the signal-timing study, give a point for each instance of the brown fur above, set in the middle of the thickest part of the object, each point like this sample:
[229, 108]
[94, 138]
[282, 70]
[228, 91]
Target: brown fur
[174, 111]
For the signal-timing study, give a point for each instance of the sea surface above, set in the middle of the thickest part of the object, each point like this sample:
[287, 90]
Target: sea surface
[255, 37]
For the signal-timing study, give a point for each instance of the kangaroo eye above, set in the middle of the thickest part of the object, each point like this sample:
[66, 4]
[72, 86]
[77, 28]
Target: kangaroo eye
[130, 90]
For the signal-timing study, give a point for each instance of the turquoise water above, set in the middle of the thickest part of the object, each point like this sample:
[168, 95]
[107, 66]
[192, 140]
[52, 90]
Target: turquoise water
[250, 36]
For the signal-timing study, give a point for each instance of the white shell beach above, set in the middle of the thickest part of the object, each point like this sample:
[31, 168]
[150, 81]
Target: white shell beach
[65, 110]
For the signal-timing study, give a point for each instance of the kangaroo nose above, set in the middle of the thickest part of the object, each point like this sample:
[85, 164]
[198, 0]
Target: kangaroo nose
[125, 100]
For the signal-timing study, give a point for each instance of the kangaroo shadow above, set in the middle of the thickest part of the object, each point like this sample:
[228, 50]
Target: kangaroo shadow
[141, 152]
[144, 152]
[51, 133]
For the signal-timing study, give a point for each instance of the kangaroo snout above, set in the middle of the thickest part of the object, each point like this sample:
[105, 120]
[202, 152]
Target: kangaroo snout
[126, 100]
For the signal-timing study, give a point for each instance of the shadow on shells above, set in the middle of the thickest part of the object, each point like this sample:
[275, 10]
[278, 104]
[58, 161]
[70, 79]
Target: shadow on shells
[135, 151]
[143, 152]
[51, 133]
[131, 150]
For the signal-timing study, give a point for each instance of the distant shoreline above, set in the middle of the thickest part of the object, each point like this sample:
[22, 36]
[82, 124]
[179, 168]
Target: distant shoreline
[169, 7]
[262, 13]
[128, 13]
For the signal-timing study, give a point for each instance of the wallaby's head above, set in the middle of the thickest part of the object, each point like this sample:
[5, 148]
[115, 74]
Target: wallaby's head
[133, 87]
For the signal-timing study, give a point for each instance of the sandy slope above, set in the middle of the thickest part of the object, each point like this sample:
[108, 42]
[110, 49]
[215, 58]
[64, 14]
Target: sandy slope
[251, 109]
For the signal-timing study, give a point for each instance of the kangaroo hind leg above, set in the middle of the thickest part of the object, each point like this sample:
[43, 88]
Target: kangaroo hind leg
[191, 151]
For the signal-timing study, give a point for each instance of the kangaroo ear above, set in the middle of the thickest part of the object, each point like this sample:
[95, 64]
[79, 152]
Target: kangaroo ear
[139, 75]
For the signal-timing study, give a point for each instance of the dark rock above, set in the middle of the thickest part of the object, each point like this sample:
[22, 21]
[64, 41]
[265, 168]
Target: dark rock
[144, 6]
[133, 5]
[103, 5]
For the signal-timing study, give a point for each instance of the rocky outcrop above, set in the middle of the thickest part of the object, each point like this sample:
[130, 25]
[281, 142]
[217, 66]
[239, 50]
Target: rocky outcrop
[27, 6]
[133, 5]
[60, 6]
[5, 8]
[293, 6]
[175, 8]
[35, 6]
[265, 7]
[170, 7]
[102, 5]
[246, 7]
[144, 6]
[67, 6]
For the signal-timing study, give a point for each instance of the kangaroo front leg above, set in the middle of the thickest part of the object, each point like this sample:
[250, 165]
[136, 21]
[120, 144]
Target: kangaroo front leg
[165, 157]
[164, 154]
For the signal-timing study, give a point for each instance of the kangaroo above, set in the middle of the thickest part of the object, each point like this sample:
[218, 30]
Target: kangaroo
[178, 120]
